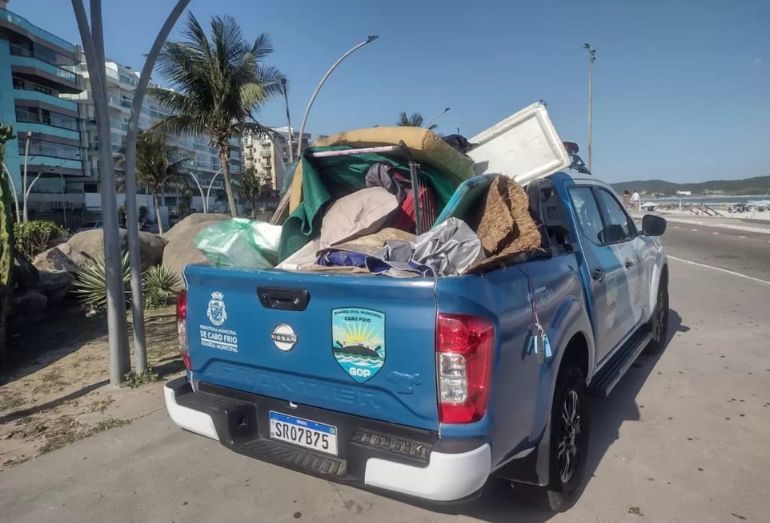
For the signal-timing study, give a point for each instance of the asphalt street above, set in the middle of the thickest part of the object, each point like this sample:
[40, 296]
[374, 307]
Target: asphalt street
[685, 436]
[737, 250]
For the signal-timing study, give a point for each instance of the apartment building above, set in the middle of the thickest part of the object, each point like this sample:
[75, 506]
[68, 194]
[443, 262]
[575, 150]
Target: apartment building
[270, 157]
[35, 72]
[202, 160]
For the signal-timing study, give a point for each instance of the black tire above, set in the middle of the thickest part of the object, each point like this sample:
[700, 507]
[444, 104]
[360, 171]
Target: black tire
[570, 424]
[659, 321]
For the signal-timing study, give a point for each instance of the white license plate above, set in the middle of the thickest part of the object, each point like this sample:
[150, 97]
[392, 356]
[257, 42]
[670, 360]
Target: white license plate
[303, 432]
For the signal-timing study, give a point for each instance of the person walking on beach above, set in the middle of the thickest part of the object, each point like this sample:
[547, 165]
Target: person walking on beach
[635, 201]
[626, 199]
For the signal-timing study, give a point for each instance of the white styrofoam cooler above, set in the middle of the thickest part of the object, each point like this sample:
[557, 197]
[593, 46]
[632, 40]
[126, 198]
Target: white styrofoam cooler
[524, 146]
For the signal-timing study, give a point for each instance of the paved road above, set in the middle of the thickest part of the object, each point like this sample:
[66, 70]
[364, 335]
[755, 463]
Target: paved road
[741, 251]
[684, 437]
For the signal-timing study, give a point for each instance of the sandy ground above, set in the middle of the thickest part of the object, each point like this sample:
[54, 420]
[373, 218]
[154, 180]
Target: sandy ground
[58, 390]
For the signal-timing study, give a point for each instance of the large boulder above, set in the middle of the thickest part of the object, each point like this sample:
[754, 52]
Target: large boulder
[85, 246]
[25, 275]
[55, 285]
[180, 250]
[54, 259]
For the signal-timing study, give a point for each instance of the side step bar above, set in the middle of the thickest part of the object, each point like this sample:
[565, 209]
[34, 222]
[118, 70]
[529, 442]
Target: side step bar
[610, 374]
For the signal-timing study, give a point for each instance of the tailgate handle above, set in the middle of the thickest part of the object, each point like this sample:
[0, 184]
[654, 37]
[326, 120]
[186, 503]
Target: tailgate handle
[283, 299]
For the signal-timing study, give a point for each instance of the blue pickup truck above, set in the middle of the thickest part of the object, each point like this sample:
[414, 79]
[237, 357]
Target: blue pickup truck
[485, 375]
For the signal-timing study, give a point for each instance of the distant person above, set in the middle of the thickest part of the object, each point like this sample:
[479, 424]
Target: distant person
[626, 199]
[635, 203]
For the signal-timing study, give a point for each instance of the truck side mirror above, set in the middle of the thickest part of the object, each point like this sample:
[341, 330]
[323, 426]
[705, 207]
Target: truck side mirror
[653, 225]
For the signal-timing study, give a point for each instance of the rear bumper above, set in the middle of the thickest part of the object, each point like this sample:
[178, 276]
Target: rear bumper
[372, 454]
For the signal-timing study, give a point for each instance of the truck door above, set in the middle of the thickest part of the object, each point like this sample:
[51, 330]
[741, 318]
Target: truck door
[606, 250]
[630, 247]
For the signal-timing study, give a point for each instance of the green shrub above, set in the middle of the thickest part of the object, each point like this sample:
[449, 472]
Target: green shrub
[34, 237]
[160, 284]
[91, 284]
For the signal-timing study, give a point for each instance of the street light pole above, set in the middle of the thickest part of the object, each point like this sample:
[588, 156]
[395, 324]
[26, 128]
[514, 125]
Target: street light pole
[208, 190]
[369, 39]
[24, 179]
[117, 327]
[200, 189]
[444, 111]
[591, 59]
[132, 214]
[288, 120]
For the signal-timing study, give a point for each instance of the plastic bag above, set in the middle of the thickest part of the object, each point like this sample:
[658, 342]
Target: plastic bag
[240, 242]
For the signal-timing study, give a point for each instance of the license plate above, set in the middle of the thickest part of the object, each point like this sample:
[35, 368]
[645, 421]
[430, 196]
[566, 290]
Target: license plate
[303, 432]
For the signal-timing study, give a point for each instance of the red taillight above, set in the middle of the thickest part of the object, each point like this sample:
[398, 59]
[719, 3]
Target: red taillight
[464, 346]
[181, 327]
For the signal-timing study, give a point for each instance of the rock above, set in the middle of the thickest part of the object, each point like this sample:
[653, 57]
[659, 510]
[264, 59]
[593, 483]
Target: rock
[180, 250]
[25, 274]
[55, 285]
[55, 260]
[85, 246]
[28, 307]
[193, 221]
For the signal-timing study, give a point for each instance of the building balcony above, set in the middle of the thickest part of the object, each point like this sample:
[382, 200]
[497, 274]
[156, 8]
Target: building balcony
[22, 128]
[23, 94]
[10, 18]
[54, 163]
[29, 66]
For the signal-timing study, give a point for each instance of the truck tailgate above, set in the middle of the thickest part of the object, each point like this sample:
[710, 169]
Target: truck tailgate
[362, 345]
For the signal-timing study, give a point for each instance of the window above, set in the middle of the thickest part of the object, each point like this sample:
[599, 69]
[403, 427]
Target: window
[620, 227]
[588, 215]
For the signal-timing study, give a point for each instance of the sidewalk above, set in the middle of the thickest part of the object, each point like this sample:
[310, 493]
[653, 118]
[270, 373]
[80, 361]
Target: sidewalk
[736, 224]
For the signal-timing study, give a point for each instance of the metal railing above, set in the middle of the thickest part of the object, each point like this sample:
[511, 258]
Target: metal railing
[28, 26]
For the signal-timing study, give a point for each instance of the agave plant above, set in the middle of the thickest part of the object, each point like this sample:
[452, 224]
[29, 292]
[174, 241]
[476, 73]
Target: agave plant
[91, 284]
[160, 285]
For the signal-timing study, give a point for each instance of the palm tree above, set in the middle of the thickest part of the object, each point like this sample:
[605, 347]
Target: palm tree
[158, 166]
[216, 86]
[415, 120]
[252, 188]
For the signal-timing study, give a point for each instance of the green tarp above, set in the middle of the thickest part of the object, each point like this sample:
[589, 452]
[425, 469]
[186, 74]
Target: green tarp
[329, 178]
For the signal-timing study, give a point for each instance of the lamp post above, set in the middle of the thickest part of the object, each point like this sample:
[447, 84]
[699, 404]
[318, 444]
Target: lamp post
[92, 36]
[591, 59]
[288, 120]
[24, 177]
[132, 215]
[208, 191]
[369, 39]
[444, 111]
[200, 189]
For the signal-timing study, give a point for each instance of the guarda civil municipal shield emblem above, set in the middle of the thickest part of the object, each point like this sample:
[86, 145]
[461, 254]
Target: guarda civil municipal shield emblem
[216, 312]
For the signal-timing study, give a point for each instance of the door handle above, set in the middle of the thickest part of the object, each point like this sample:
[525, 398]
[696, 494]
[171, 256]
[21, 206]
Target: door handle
[629, 264]
[598, 275]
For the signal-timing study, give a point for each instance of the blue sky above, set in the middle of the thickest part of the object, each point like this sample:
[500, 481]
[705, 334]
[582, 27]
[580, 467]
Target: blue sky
[681, 88]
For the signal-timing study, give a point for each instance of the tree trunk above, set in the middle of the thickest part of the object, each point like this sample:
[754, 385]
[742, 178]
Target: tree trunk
[224, 163]
[156, 201]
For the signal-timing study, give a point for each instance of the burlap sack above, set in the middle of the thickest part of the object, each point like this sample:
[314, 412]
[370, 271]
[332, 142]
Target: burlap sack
[505, 226]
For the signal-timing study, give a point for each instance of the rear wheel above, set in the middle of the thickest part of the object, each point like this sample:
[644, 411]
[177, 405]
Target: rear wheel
[570, 420]
[659, 321]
